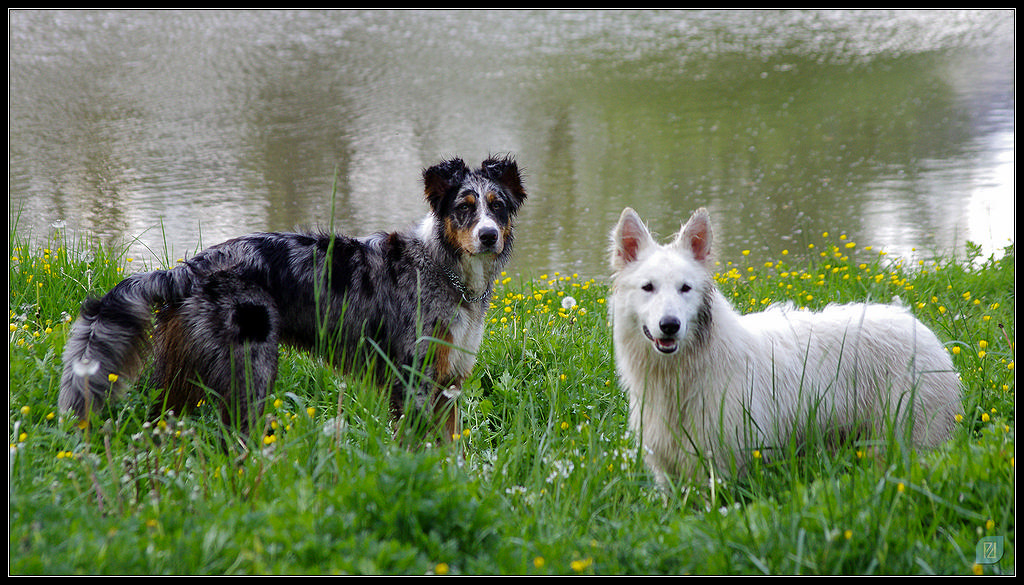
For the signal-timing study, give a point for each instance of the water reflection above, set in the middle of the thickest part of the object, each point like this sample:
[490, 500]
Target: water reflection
[192, 127]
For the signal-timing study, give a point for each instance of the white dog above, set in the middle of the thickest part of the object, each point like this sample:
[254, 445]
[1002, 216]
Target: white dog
[707, 384]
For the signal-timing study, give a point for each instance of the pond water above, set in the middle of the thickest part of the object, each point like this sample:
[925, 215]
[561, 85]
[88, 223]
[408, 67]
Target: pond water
[178, 129]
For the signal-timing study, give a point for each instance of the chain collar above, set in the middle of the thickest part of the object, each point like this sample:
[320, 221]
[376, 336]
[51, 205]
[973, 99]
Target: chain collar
[462, 288]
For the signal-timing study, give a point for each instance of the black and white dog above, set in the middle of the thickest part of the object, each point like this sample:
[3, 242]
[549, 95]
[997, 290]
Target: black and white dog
[408, 306]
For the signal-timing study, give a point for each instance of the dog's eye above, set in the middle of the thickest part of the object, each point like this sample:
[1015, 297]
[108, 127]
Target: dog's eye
[464, 206]
[647, 287]
[497, 205]
[684, 288]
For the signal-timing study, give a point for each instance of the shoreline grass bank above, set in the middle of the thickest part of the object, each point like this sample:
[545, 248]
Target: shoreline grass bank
[545, 478]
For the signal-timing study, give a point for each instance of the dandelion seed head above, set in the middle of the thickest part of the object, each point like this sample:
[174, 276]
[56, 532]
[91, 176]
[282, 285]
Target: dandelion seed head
[85, 367]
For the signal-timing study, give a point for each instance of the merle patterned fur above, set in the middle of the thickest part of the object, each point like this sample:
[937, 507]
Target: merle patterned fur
[406, 306]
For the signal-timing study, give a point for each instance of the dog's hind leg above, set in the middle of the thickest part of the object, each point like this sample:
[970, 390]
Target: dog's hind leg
[220, 345]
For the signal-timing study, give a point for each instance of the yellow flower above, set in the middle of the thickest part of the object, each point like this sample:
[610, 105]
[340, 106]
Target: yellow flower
[538, 562]
[112, 378]
[581, 565]
[441, 569]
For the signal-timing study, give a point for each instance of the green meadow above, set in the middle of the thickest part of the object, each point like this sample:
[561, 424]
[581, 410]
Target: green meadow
[545, 477]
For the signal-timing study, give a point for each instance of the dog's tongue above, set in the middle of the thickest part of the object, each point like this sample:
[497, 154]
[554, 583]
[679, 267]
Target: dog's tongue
[665, 345]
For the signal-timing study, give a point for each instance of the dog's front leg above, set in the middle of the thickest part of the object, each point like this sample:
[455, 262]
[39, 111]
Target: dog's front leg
[446, 411]
[427, 412]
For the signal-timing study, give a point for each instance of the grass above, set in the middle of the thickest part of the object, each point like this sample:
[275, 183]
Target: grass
[545, 478]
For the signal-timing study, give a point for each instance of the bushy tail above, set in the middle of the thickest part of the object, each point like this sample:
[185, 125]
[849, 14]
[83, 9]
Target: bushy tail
[109, 339]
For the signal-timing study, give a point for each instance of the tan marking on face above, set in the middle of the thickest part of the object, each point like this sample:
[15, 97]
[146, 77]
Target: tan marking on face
[461, 238]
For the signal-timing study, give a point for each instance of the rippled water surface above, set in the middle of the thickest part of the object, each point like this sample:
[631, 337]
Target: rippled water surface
[176, 130]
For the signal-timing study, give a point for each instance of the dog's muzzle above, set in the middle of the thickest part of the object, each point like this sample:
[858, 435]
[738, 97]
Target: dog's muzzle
[667, 342]
[488, 240]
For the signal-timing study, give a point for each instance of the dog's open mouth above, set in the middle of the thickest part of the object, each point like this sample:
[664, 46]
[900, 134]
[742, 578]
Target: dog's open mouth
[662, 344]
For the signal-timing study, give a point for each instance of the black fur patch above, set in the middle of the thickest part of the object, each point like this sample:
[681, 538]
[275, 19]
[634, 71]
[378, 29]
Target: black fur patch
[252, 322]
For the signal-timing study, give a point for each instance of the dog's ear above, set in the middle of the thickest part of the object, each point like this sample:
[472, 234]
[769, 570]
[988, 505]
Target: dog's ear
[506, 172]
[695, 236]
[629, 238]
[441, 178]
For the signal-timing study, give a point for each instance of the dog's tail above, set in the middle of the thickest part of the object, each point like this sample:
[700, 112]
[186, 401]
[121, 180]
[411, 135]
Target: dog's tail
[109, 339]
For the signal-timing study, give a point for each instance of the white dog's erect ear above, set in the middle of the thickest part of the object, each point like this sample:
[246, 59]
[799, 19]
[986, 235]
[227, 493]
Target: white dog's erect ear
[695, 235]
[629, 238]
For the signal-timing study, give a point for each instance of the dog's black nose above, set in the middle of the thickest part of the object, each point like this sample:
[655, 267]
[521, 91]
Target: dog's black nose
[669, 325]
[488, 237]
